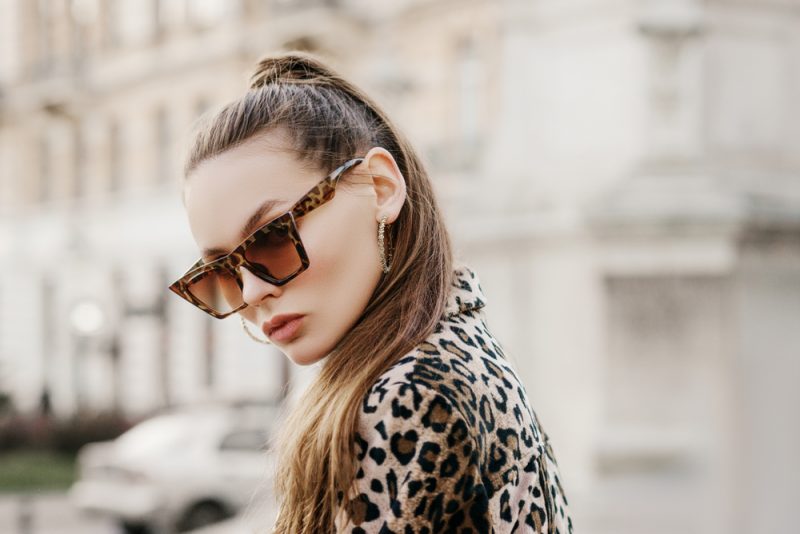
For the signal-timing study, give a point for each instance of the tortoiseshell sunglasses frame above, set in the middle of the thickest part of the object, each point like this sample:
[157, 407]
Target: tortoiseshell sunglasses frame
[315, 197]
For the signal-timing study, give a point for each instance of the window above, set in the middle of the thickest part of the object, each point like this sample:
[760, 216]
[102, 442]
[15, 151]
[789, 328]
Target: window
[170, 15]
[469, 78]
[114, 156]
[45, 160]
[44, 33]
[132, 23]
[206, 13]
[82, 16]
[84, 12]
[163, 137]
[79, 178]
[664, 334]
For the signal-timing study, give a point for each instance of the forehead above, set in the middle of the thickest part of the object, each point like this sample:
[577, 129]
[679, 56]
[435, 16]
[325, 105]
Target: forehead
[221, 193]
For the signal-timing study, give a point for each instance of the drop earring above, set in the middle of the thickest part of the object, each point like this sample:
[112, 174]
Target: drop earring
[385, 257]
[249, 333]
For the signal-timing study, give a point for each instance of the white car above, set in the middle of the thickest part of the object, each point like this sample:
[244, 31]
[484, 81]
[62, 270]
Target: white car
[180, 470]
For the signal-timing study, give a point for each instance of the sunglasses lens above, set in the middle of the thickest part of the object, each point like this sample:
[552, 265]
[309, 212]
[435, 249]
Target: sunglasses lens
[218, 289]
[274, 251]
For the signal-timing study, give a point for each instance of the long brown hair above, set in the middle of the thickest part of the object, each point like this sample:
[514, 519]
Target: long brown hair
[329, 120]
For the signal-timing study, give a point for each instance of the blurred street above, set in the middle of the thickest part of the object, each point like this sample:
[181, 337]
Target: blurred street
[48, 513]
[52, 513]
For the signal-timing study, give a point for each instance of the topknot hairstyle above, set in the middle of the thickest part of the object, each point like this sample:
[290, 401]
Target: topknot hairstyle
[327, 118]
[295, 67]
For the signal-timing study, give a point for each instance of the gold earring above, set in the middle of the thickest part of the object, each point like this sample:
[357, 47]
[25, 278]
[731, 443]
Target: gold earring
[249, 333]
[385, 258]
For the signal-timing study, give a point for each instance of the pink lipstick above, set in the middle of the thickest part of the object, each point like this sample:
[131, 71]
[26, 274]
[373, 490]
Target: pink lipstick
[282, 328]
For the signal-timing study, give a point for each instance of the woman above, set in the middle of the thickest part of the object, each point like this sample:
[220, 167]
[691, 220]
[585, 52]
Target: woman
[319, 227]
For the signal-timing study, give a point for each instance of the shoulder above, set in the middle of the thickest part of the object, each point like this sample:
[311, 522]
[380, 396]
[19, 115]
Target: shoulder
[399, 420]
[446, 436]
[461, 368]
[418, 464]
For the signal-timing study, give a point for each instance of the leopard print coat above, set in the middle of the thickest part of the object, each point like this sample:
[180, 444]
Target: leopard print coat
[447, 441]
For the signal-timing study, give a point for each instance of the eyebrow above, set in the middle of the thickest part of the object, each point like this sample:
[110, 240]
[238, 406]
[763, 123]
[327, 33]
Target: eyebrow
[250, 226]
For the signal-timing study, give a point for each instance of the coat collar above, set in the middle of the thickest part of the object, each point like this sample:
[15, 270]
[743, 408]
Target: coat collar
[465, 292]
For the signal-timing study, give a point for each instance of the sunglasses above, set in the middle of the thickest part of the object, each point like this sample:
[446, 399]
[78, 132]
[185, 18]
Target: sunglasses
[274, 253]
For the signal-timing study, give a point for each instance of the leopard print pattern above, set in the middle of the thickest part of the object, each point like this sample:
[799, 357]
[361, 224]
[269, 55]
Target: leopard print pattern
[447, 441]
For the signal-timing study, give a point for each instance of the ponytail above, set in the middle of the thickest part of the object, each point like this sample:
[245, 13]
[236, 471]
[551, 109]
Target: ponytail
[330, 120]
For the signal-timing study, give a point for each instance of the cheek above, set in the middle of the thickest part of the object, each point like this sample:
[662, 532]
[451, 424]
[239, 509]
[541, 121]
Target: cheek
[342, 247]
[345, 267]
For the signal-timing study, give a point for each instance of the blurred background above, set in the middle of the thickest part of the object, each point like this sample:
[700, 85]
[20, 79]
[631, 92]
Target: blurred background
[623, 175]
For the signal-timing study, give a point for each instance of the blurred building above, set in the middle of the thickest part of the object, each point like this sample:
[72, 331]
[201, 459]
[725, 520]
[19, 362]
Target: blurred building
[623, 175]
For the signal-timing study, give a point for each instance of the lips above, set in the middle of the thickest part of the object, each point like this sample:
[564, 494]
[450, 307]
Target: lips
[268, 327]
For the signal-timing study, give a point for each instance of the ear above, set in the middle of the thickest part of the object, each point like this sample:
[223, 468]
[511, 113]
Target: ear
[388, 182]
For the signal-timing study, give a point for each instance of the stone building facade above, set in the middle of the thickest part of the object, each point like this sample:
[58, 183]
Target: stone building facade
[624, 175]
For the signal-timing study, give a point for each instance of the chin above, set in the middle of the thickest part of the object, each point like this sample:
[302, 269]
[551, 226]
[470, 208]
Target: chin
[304, 362]
[303, 357]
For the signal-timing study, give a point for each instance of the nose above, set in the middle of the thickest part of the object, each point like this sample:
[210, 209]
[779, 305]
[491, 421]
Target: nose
[254, 289]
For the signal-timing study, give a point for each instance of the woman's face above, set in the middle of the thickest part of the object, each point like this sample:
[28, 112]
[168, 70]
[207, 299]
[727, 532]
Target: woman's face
[340, 237]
